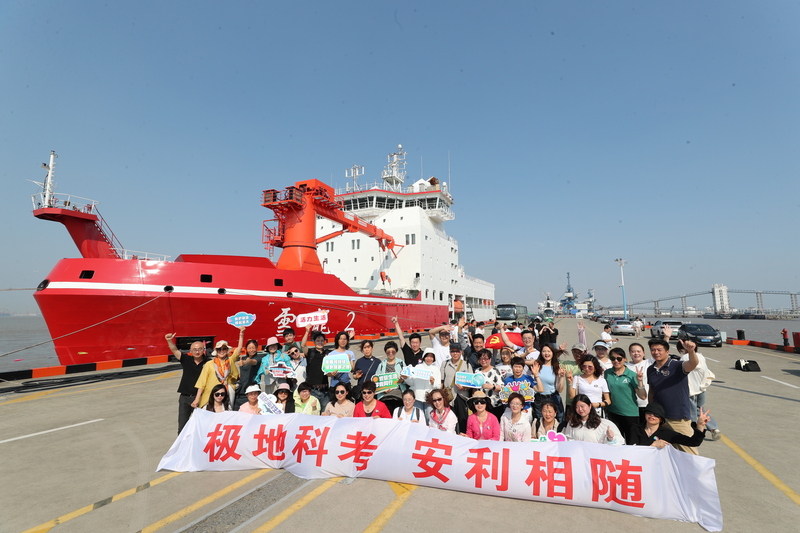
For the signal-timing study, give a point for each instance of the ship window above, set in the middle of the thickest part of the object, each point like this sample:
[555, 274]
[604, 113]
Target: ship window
[278, 282]
[86, 274]
[441, 296]
[426, 293]
[339, 260]
[408, 239]
[355, 260]
[417, 275]
[372, 278]
[413, 238]
[205, 278]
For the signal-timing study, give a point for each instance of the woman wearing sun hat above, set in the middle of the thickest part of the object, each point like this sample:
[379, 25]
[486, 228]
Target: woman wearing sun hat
[272, 358]
[481, 424]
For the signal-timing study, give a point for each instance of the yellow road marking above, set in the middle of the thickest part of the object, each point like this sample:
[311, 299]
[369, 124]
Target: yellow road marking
[47, 526]
[289, 511]
[761, 469]
[56, 394]
[403, 493]
[205, 501]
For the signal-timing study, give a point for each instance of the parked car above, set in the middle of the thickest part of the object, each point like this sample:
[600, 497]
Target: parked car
[657, 331]
[622, 327]
[605, 319]
[701, 334]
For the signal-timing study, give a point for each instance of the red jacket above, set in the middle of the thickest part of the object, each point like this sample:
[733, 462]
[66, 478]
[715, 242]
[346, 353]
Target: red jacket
[380, 410]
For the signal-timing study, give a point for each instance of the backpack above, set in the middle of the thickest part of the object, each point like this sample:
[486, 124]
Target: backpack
[747, 366]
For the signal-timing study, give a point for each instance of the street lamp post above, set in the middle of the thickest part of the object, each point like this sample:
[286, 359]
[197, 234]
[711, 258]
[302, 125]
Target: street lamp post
[622, 262]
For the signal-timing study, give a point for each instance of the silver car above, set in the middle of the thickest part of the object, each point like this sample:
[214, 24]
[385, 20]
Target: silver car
[622, 327]
[657, 331]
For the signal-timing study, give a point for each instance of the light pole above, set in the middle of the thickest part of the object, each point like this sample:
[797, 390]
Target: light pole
[622, 262]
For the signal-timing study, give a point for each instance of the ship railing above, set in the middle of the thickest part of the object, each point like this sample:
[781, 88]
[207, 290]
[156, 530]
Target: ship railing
[382, 186]
[144, 256]
[65, 201]
[476, 280]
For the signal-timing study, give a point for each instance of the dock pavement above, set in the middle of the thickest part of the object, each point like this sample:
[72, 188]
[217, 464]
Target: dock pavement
[83, 458]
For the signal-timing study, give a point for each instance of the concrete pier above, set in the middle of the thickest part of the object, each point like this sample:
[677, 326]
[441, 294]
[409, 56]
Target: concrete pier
[83, 458]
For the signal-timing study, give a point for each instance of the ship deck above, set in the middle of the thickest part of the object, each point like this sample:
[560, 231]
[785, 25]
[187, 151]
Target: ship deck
[84, 457]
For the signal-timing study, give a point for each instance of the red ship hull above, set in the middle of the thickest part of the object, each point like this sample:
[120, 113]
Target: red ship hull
[105, 309]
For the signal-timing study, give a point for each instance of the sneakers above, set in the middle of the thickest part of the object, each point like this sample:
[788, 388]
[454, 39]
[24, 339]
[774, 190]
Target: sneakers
[715, 434]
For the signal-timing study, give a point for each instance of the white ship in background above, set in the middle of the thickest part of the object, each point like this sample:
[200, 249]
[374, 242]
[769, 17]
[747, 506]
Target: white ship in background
[425, 259]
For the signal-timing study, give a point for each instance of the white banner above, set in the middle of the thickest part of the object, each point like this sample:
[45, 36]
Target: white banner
[639, 480]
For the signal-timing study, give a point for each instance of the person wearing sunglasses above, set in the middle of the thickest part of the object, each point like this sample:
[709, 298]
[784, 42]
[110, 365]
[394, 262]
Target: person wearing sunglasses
[591, 383]
[481, 424]
[369, 406]
[441, 416]
[298, 365]
[284, 399]
[221, 369]
[340, 406]
[493, 383]
[219, 399]
[624, 387]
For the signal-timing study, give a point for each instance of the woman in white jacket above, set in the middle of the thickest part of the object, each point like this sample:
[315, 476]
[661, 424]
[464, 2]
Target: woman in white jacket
[583, 423]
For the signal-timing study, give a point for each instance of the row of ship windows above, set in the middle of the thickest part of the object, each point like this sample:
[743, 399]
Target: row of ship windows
[204, 278]
[355, 244]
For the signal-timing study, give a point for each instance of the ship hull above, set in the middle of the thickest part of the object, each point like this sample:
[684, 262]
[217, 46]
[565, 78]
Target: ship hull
[108, 309]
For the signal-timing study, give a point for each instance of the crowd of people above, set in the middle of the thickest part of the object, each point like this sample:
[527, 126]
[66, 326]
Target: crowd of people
[613, 396]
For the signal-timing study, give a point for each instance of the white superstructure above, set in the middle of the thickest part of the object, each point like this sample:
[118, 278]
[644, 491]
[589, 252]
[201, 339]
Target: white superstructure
[426, 260]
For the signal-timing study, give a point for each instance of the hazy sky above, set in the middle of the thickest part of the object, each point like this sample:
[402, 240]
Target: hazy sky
[666, 133]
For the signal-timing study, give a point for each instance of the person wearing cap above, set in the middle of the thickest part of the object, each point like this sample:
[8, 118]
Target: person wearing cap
[251, 407]
[422, 386]
[601, 352]
[283, 398]
[192, 364]
[578, 351]
[440, 340]
[606, 336]
[459, 393]
[655, 433]
[481, 424]
[273, 358]
[221, 368]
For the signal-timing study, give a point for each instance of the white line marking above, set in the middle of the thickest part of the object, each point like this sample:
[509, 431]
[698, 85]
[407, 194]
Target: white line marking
[712, 359]
[50, 431]
[781, 382]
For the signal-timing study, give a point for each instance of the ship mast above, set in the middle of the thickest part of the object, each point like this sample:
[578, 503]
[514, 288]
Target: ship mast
[49, 183]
